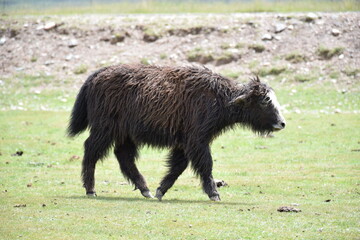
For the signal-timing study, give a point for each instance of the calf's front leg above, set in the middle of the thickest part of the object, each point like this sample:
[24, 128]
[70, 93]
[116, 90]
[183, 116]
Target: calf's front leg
[202, 164]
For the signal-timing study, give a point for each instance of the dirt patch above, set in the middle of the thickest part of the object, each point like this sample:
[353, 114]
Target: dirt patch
[319, 44]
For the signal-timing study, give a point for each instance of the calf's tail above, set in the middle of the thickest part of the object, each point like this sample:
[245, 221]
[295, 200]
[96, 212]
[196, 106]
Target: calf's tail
[78, 120]
[79, 115]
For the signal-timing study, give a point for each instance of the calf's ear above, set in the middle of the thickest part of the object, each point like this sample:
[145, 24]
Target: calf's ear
[239, 99]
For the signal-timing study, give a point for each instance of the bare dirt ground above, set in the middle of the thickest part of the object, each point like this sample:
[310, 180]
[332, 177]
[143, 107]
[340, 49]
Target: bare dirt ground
[290, 47]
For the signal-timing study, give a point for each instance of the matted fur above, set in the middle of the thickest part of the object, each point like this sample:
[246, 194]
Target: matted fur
[182, 108]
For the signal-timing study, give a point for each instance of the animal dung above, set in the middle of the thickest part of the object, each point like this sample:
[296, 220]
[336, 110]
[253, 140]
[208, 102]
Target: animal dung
[288, 209]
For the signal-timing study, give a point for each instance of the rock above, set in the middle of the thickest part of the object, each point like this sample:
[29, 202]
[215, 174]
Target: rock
[311, 17]
[251, 23]
[150, 37]
[69, 57]
[267, 37]
[50, 25]
[335, 32]
[117, 38]
[72, 43]
[279, 27]
[220, 183]
[49, 62]
[290, 27]
[14, 33]
[40, 27]
[2, 41]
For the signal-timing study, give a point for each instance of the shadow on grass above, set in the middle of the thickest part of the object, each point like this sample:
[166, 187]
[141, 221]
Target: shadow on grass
[174, 201]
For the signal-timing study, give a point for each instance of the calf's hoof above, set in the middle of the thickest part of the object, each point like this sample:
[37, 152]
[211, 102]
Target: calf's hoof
[147, 194]
[159, 194]
[91, 194]
[215, 198]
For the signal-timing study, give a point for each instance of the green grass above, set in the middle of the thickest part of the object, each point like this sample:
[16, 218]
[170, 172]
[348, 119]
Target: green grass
[81, 69]
[316, 158]
[295, 57]
[313, 160]
[257, 47]
[270, 71]
[303, 78]
[193, 7]
[327, 53]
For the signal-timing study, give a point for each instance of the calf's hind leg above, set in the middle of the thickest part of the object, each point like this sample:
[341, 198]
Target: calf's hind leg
[177, 164]
[126, 154]
[96, 147]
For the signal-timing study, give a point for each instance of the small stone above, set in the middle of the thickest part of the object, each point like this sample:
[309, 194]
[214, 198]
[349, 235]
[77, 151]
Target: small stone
[50, 62]
[290, 27]
[267, 37]
[337, 110]
[279, 27]
[2, 41]
[72, 43]
[311, 17]
[50, 25]
[341, 56]
[75, 157]
[40, 27]
[69, 57]
[335, 32]
[220, 183]
[150, 38]
[251, 23]
[117, 38]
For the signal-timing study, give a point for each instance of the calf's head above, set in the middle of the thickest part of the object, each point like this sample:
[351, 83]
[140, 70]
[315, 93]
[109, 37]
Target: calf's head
[260, 109]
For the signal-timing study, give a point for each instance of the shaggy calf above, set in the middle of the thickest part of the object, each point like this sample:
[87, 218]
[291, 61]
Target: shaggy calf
[181, 108]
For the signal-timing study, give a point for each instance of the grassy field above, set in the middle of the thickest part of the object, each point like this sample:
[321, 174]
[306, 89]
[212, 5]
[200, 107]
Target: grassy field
[312, 165]
[190, 7]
